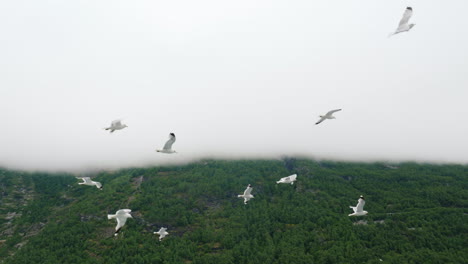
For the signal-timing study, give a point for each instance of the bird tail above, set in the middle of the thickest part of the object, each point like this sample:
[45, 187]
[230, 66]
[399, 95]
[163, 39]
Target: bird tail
[240, 195]
[110, 216]
[391, 34]
[277, 182]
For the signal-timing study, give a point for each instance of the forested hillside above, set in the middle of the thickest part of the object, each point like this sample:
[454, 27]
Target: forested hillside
[417, 214]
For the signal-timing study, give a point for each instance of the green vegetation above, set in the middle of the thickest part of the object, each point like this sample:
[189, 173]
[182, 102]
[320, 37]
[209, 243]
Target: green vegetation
[417, 214]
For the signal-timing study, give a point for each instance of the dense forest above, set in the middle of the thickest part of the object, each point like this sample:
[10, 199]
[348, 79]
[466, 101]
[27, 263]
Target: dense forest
[418, 213]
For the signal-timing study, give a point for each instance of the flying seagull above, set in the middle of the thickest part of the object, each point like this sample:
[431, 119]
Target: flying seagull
[121, 216]
[247, 196]
[116, 125]
[403, 25]
[290, 179]
[168, 146]
[162, 233]
[358, 209]
[328, 115]
[88, 181]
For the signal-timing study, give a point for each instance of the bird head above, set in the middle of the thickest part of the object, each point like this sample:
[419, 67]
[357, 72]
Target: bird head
[411, 25]
[361, 197]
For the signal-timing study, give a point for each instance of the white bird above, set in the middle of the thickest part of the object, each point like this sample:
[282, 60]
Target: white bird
[116, 125]
[121, 216]
[403, 25]
[162, 233]
[88, 181]
[168, 146]
[290, 179]
[328, 115]
[247, 196]
[358, 210]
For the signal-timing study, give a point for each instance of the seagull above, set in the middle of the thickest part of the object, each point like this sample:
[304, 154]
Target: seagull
[168, 146]
[162, 233]
[328, 115]
[290, 179]
[115, 125]
[121, 216]
[88, 181]
[404, 26]
[247, 196]
[358, 209]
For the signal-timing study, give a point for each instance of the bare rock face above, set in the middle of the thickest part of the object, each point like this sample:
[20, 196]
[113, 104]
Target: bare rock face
[360, 222]
[137, 181]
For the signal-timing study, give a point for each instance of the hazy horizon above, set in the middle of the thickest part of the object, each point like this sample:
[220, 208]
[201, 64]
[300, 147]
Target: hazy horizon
[230, 79]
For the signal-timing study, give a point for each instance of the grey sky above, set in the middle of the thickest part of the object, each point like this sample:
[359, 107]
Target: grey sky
[231, 79]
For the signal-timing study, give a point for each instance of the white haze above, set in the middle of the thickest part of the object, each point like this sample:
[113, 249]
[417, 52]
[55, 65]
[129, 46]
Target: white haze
[231, 79]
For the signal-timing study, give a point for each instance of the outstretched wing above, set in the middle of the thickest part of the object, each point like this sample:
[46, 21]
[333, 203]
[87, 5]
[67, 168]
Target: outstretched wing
[87, 180]
[360, 205]
[406, 16]
[320, 121]
[332, 111]
[293, 177]
[120, 221]
[124, 211]
[116, 122]
[248, 191]
[98, 184]
[171, 141]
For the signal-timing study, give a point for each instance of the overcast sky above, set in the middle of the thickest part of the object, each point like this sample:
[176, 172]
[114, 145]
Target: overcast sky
[245, 78]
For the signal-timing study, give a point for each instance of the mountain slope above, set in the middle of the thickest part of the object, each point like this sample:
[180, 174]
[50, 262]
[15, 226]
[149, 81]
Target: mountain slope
[417, 213]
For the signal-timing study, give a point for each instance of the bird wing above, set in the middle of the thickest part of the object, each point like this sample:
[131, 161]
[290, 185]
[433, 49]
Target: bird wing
[87, 180]
[248, 191]
[116, 123]
[169, 143]
[293, 177]
[406, 16]
[124, 211]
[120, 221]
[332, 111]
[320, 121]
[360, 205]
